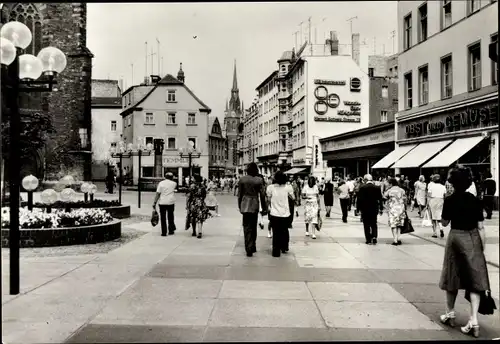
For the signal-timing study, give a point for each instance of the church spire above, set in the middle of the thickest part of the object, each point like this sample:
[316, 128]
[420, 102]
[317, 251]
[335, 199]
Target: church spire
[235, 80]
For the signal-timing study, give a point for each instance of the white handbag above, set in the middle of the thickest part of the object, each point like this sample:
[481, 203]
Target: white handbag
[426, 221]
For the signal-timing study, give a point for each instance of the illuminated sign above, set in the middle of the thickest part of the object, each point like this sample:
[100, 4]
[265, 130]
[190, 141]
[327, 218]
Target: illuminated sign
[355, 85]
[321, 92]
[321, 107]
[333, 100]
[330, 82]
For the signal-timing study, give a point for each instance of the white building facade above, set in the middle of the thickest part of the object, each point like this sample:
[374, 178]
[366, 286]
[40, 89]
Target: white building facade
[448, 88]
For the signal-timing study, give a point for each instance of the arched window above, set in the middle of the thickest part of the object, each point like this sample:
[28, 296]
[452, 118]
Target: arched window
[27, 14]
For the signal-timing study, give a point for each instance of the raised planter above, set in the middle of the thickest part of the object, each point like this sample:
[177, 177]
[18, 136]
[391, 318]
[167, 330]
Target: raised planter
[66, 236]
[118, 211]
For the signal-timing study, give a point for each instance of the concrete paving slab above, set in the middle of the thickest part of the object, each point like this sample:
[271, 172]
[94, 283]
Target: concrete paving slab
[408, 276]
[387, 335]
[188, 271]
[258, 260]
[339, 275]
[264, 273]
[266, 334]
[342, 262]
[173, 288]
[38, 332]
[321, 250]
[359, 292]
[138, 334]
[187, 259]
[409, 264]
[156, 310]
[379, 315]
[422, 293]
[266, 290]
[266, 313]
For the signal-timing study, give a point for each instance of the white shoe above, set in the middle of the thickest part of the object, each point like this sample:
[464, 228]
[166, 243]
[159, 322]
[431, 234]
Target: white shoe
[269, 234]
[313, 236]
[307, 233]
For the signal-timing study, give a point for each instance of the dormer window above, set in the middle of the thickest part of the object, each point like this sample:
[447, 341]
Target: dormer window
[171, 96]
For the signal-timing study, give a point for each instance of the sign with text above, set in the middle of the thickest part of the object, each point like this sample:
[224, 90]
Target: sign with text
[337, 119]
[175, 161]
[472, 117]
[363, 140]
[330, 82]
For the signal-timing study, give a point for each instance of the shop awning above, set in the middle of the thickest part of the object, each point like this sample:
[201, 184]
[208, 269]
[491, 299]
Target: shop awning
[393, 156]
[454, 152]
[295, 170]
[420, 154]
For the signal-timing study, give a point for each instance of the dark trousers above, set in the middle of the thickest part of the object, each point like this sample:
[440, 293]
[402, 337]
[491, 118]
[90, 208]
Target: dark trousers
[370, 226]
[351, 201]
[291, 205]
[344, 206]
[281, 235]
[167, 215]
[250, 231]
[488, 205]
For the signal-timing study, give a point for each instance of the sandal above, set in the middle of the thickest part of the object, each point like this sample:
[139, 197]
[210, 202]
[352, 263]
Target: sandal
[448, 319]
[470, 329]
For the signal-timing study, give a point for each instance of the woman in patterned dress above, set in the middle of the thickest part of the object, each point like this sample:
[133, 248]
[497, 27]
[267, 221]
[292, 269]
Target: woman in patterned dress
[197, 210]
[310, 195]
[211, 200]
[396, 209]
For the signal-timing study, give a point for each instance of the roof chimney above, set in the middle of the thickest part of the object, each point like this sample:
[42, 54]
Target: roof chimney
[334, 43]
[155, 79]
[355, 47]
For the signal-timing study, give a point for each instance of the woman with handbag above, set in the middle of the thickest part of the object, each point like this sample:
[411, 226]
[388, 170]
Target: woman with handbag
[464, 265]
[435, 201]
[396, 209]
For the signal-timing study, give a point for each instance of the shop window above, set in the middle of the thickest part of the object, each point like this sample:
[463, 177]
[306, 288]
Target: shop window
[407, 32]
[446, 77]
[445, 14]
[422, 30]
[408, 90]
[474, 62]
[494, 65]
[423, 85]
[147, 171]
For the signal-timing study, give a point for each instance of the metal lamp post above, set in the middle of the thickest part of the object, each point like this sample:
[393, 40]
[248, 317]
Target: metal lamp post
[190, 153]
[30, 183]
[22, 72]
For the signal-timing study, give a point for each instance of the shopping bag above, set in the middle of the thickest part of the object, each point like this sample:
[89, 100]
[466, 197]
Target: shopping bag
[407, 226]
[155, 218]
[426, 221]
[486, 305]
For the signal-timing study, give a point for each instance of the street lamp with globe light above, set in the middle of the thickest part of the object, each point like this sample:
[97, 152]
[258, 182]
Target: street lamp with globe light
[49, 197]
[190, 153]
[85, 189]
[30, 183]
[22, 72]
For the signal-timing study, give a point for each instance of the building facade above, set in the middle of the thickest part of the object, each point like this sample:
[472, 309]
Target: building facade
[106, 124]
[68, 147]
[383, 89]
[165, 109]
[249, 140]
[217, 159]
[232, 119]
[448, 91]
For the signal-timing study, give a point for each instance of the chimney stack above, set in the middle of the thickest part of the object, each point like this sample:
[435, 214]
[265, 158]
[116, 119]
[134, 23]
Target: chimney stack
[355, 47]
[334, 43]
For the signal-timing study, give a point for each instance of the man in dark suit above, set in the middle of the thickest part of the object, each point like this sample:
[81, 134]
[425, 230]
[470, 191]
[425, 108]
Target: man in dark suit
[369, 204]
[250, 188]
[489, 189]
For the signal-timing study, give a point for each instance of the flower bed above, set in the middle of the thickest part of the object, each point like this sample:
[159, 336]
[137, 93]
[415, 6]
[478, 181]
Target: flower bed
[114, 208]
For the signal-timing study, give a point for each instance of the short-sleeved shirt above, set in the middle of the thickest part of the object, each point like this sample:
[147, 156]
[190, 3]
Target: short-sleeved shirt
[166, 189]
[311, 193]
[279, 195]
[436, 190]
[464, 211]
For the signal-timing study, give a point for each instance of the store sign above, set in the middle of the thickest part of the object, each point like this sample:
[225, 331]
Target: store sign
[363, 140]
[174, 161]
[336, 119]
[454, 121]
[330, 82]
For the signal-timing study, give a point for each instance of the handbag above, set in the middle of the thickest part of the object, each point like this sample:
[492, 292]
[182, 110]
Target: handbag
[155, 218]
[426, 221]
[486, 305]
[407, 226]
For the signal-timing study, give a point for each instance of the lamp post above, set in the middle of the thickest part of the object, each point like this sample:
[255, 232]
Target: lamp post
[22, 72]
[30, 183]
[190, 153]
[132, 150]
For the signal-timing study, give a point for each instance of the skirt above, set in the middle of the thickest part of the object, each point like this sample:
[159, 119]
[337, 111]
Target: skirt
[436, 207]
[311, 209]
[464, 265]
[328, 199]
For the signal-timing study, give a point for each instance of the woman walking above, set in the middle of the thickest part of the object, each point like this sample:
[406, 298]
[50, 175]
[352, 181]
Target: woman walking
[464, 265]
[197, 211]
[328, 196]
[420, 194]
[435, 200]
[310, 195]
[396, 209]
[211, 200]
[278, 196]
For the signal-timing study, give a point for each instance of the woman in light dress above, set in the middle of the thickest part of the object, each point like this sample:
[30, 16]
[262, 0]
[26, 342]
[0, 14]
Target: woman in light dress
[420, 194]
[396, 209]
[211, 200]
[435, 200]
[310, 195]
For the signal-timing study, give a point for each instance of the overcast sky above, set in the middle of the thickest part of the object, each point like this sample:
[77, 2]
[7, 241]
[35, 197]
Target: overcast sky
[253, 34]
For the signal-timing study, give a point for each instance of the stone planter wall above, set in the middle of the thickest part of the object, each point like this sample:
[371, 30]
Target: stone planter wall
[66, 236]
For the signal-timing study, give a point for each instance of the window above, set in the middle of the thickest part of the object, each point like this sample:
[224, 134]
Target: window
[446, 77]
[407, 33]
[29, 15]
[129, 120]
[191, 118]
[193, 139]
[149, 139]
[129, 99]
[147, 171]
[494, 65]
[113, 125]
[473, 6]
[383, 116]
[446, 14]
[385, 92]
[370, 72]
[171, 96]
[83, 137]
[422, 30]
[171, 118]
[408, 91]
[171, 143]
[149, 118]
[475, 67]
[423, 85]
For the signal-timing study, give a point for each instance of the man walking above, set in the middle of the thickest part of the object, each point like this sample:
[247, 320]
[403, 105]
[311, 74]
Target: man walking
[489, 188]
[165, 197]
[369, 204]
[250, 188]
[344, 199]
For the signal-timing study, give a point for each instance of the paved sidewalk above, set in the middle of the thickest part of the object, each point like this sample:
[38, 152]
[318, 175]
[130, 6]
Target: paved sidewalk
[180, 288]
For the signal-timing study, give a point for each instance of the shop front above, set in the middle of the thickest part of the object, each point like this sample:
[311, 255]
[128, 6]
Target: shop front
[354, 153]
[462, 133]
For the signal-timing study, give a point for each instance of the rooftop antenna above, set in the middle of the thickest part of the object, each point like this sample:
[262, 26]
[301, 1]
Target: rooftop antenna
[295, 34]
[162, 66]
[393, 35]
[158, 42]
[146, 59]
[301, 34]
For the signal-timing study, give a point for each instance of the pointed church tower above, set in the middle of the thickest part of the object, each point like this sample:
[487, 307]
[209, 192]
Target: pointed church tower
[180, 74]
[234, 103]
[232, 119]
